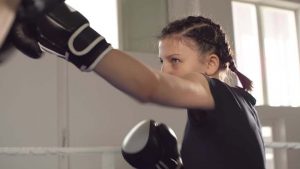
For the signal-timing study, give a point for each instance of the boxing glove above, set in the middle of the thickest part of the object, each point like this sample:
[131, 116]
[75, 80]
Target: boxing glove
[32, 9]
[66, 33]
[24, 37]
[150, 145]
[23, 33]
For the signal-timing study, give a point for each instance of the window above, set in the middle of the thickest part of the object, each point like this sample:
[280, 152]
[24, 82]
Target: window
[247, 45]
[282, 56]
[267, 134]
[268, 42]
[102, 15]
[130, 25]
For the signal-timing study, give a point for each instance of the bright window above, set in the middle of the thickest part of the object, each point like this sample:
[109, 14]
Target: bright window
[267, 134]
[281, 56]
[267, 51]
[102, 15]
[247, 45]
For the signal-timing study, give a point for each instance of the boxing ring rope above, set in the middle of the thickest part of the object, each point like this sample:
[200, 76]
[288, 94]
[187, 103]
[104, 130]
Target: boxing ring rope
[283, 145]
[56, 150]
[97, 150]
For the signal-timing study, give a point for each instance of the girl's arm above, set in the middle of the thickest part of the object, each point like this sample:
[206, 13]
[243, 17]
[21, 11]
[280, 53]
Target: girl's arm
[137, 80]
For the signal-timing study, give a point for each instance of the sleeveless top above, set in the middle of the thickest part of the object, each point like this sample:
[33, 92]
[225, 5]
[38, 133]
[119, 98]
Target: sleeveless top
[228, 137]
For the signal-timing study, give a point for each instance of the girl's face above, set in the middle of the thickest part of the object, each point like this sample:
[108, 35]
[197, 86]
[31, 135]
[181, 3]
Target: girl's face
[180, 57]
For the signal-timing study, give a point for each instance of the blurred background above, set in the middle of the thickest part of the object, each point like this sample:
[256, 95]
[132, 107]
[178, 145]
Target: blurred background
[50, 103]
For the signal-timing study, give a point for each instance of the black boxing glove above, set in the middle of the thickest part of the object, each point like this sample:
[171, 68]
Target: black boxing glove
[23, 33]
[150, 145]
[66, 33]
[24, 37]
[32, 9]
[170, 156]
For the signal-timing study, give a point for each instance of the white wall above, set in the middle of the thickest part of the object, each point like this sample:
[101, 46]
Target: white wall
[28, 108]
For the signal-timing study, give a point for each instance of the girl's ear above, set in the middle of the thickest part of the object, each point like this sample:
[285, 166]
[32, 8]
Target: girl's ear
[213, 63]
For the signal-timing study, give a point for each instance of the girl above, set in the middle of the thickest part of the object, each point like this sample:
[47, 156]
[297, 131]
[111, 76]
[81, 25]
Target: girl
[222, 129]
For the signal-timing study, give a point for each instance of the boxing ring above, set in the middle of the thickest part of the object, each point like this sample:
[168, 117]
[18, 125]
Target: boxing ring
[107, 153]
[16, 151]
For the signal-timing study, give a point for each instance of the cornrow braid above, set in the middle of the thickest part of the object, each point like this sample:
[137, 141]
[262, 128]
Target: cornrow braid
[210, 38]
[245, 81]
[226, 56]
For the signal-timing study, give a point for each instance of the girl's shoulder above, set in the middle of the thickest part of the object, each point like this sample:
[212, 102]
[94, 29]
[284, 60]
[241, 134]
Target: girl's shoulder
[221, 89]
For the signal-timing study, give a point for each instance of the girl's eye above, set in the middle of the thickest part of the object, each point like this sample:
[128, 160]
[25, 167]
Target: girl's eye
[175, 60]
[161, 61]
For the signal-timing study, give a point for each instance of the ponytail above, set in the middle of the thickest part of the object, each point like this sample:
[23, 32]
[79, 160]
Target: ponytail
[245, 81]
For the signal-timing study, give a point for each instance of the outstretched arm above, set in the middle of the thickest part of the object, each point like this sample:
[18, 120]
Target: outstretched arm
[147, 85]
[66, 33]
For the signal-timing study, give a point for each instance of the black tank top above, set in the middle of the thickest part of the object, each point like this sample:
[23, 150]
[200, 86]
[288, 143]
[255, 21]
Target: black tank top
[228, 137]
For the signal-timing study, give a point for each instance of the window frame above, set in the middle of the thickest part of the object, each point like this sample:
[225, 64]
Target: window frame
[285, 5]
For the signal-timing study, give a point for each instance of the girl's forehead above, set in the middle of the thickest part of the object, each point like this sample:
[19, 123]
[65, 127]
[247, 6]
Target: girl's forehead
[170, 46]
[177, 40]
[169, 41]
[177, 44]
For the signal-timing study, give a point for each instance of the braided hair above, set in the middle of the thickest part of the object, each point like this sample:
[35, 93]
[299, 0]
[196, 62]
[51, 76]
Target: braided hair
[209, 37]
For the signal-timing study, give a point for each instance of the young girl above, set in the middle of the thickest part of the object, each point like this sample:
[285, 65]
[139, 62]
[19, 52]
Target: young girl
[222, 129]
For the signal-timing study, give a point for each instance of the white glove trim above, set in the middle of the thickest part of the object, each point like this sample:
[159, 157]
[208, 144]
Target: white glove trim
[47, 50]
[88, 48]
[162, 164]
[179, 163]
[94, 64]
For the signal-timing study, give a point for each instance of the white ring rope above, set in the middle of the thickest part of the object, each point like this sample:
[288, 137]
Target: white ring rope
[99, 150]
[283, 145]
[55, 150]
